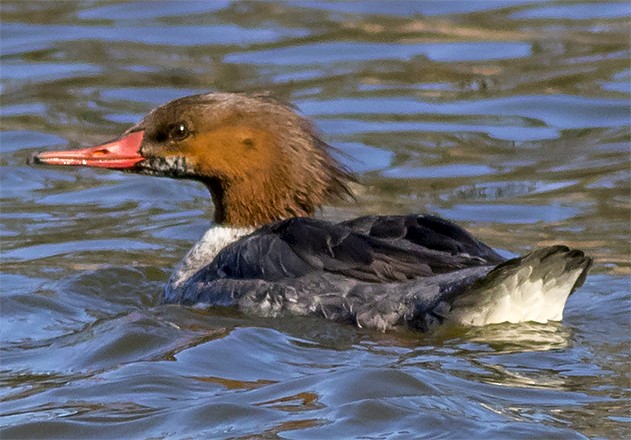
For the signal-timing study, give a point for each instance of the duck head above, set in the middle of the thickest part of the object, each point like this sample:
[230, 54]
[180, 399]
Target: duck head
[259, 158]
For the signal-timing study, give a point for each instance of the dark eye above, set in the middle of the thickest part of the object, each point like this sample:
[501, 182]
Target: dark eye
[178, 132]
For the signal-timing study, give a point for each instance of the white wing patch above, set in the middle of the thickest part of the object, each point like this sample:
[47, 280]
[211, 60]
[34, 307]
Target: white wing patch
[519, 298]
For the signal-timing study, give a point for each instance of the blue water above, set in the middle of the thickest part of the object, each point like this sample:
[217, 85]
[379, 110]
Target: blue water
[512, 118]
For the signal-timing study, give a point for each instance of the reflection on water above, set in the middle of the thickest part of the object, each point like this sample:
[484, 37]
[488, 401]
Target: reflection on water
[510, 117]
[509, 338]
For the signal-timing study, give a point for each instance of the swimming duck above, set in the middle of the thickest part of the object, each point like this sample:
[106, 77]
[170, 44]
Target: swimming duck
[268, 171]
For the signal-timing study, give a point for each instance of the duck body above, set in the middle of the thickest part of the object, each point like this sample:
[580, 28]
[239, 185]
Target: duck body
[267, 171]
[378, 271]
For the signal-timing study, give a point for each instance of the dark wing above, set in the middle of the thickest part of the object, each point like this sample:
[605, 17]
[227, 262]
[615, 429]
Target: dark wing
[391, 249]
[427, 231]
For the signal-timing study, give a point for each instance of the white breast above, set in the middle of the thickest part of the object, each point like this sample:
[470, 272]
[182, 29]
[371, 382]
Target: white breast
[204, 251]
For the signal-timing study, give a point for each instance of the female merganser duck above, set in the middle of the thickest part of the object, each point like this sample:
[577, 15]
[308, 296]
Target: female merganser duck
[268, 171]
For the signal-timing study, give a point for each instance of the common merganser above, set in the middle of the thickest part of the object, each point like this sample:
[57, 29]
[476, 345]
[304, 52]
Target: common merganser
[268, 171]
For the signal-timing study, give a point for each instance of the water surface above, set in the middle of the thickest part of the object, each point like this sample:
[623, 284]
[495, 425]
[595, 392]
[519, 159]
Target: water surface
[511, 118]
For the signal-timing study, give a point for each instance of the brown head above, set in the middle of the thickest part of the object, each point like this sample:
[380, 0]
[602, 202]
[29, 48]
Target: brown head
[260, 160]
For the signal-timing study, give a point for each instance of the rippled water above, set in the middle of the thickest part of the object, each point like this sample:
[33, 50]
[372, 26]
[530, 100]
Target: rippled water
[509, 117]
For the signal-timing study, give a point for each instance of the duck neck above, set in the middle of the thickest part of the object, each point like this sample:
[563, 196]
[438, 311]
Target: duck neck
[248, 204]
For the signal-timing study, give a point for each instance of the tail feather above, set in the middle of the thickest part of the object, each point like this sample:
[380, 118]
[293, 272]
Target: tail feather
[534, 287]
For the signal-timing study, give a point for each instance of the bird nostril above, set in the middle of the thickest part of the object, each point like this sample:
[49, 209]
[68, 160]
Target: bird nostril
[101, 152]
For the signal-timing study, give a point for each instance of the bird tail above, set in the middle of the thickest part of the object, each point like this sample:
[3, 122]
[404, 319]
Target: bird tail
[534, 287]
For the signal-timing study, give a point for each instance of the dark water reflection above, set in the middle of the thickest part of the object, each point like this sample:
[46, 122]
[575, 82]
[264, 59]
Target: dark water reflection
[509, 117]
